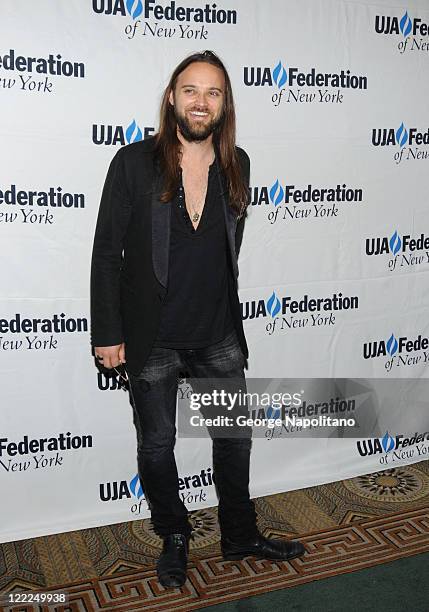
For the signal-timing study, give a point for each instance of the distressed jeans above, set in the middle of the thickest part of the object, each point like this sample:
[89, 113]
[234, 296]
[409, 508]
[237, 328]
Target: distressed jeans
[153, 397]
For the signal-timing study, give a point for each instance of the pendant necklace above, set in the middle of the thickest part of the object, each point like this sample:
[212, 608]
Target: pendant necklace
[195, 214]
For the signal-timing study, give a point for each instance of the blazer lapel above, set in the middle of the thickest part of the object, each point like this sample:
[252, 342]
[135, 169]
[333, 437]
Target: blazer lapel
[230, 219]
[161, 223]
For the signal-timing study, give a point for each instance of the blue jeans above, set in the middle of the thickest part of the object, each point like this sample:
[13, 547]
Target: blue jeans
[153, 397]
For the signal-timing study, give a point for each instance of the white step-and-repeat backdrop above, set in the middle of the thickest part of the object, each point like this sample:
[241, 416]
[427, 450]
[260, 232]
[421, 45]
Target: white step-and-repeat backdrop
[332, 104]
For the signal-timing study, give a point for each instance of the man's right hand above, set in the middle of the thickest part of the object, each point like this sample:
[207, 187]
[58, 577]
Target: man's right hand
[111, 356]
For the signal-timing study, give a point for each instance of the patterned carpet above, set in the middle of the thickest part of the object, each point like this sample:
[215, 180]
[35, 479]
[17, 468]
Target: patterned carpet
[346, 525]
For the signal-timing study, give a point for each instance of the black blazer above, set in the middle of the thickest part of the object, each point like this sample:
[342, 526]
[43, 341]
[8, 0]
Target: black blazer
[129, 270]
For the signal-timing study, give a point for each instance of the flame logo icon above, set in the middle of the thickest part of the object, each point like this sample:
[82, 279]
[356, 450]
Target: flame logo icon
[392, 345]
[273, 305]
[276, 193]
[279, 75]
[133, 133]
[135, 8]
[401, 135]
[405, 24]
[395, 243]
[387, 442]
[273, 413]
[136, 487]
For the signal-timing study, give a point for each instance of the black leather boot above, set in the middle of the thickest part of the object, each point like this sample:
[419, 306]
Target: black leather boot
[262, 548]
[171, 565]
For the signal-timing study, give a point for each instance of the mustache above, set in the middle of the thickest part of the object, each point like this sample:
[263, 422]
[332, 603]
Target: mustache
[199, 109]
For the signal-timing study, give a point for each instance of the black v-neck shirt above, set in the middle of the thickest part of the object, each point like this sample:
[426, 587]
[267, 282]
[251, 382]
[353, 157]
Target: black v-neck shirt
[196, 310]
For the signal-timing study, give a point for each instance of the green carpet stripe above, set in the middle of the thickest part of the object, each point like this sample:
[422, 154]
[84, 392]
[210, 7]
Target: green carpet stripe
[391, 587]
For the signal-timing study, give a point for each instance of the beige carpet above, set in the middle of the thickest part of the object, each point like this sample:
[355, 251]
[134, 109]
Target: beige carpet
[345, 526]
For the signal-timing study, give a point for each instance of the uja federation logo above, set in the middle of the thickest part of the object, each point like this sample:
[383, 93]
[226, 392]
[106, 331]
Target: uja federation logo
[192, 489]
[286, 313]
[303, 87]
[395, 448]
[33, 74]
[20, 456]
[405, 251]
[119, 135]
[289, 203]
[407, 141]
[117, 490]
[413, 32]
[110, 383]
[36, 206]
[20, 333]
[398, 352]
[166, 19]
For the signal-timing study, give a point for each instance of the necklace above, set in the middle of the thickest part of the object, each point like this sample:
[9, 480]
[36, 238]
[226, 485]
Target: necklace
[196, 214]
[195, 217]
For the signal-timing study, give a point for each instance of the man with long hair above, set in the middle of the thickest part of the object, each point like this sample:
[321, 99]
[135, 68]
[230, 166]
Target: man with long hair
[164, 298]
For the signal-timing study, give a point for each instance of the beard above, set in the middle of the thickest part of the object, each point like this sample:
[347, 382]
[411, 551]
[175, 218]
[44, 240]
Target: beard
[196, 132]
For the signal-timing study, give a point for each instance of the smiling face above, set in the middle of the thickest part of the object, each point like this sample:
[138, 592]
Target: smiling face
[198, 101]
